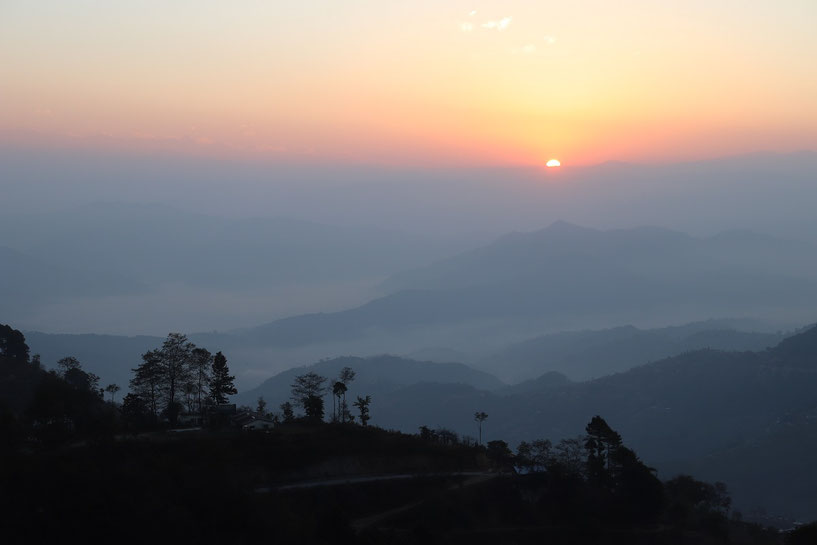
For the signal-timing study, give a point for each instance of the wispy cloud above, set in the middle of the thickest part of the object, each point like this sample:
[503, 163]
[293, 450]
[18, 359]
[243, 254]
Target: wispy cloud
[500, 25]
[528, 49]
[550, 40]
[466, 27]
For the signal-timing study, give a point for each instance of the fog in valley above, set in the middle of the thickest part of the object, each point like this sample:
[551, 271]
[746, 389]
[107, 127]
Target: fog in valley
[408, 272]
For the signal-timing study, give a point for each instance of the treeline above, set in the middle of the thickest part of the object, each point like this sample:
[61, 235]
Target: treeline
[48, 406]
[65, 403]
[308, 391]
[587, 489]
[175, 378]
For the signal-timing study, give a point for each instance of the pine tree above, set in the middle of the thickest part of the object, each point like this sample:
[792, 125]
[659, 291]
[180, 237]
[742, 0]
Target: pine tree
[221, 382]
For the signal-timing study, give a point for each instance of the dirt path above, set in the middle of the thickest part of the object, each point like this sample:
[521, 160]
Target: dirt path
[472, 479]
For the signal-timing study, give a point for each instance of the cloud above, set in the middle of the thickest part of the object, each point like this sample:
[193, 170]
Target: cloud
[466, 27]
[550, 40]
[528, 49]
[500, 25]
[472, 13]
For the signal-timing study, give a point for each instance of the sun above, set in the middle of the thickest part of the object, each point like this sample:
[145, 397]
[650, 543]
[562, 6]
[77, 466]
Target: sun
[553, 163]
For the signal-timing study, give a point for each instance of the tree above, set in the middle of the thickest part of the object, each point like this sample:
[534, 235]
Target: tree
[112, 389]
[287, 412]
[313, 407]
[499, 453]
[221, 382]
[176, 357]
[426, 433]
[570, 455]
[307, 390]
[536, 456]
[261, 408]
[601, 443]
[338, 391]
[347, 375]
[147, 380]
[13, 344]
[71, 371]
[202, 362]
[135, 412]
[362, 405]
[189, 390]
[480, 417]
[68, 363]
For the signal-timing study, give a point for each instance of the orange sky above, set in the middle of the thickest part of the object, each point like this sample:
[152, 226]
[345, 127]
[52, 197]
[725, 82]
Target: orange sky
[412, 83]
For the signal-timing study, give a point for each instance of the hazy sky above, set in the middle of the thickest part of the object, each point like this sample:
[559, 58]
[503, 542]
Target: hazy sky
[411, 83]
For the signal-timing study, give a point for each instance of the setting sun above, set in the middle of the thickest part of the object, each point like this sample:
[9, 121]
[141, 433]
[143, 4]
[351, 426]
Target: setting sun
[553, 163]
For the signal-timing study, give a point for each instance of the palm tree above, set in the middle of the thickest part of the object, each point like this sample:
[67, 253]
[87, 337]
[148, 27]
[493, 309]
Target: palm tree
[338, 390]
[480, 417]
[112, 389]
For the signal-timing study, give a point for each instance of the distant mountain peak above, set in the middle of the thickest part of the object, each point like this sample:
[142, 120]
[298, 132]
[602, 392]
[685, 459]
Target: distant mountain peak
[561, 227]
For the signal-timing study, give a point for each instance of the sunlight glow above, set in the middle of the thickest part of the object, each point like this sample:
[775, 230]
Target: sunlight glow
[553, 163]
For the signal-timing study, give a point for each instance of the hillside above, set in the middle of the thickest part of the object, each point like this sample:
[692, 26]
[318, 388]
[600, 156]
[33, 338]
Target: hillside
[160, 244]
[377, 376]
[679, 412]
[565, 275]
[582, 355]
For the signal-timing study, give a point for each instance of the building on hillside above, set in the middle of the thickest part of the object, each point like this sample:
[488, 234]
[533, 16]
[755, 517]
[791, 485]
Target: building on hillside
[259, 424]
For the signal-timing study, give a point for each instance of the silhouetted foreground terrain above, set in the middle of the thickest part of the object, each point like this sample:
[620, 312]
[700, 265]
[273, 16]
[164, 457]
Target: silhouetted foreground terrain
[77, 465]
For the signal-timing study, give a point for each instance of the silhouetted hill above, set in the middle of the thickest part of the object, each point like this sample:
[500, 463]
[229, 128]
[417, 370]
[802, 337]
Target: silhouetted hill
[550, 380]
[798, 350]
[111, 357]
[677, 412]
[159, 244]
[565, 275]
[554, 253]
[582, 355]
[377, 376]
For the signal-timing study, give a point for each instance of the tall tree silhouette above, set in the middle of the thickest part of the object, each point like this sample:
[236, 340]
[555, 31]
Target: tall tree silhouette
[112, 389]
[202, 361]
[147, 379]
[480, 417]
[347, 375]
[362, 405]
[72, 372]
[338, 391]
[221, 382]
[307, 392]
[176, 356]
[601, 444]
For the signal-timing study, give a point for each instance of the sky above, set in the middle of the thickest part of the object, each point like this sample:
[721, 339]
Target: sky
[421, 83]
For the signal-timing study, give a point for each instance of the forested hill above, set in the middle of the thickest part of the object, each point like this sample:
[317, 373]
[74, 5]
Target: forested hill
[582, 355]
[680, 413]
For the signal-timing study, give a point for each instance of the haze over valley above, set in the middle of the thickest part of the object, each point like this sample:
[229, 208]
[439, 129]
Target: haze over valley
[382, 272]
